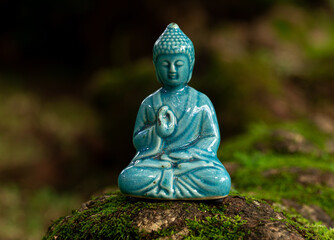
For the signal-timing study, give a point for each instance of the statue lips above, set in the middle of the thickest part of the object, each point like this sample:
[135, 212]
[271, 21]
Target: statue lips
[173, 76]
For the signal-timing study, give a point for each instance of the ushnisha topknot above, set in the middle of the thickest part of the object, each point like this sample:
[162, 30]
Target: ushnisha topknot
[173, 41]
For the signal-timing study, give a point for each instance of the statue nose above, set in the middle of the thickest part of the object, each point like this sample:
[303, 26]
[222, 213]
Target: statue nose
[172, 68]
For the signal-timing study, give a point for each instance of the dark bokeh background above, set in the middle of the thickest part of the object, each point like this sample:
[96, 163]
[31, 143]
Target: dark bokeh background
[73, 74]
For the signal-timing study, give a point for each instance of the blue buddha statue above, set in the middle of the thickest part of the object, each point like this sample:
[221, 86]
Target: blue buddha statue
[176, 132]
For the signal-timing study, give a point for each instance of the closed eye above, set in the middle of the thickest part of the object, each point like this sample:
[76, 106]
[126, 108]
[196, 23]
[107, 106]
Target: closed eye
[164, 63]
[179, 63]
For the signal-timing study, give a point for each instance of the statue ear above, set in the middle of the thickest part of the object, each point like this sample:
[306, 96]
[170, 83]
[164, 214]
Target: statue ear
[191, 71]
[190, 75]
[156, 72]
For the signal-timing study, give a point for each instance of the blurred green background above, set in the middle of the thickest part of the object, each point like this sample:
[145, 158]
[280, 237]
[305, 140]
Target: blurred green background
[73, 74]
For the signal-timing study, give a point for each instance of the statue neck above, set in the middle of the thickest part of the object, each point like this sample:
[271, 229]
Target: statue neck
[173, 89]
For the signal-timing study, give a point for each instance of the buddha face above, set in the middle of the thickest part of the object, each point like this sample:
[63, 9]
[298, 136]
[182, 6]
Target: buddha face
[173, 70]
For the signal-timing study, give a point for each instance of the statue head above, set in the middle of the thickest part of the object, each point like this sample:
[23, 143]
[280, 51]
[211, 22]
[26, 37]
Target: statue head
[173, 57]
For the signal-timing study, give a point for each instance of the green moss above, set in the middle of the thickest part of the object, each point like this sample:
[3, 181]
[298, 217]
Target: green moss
[310, 230]
[274, 176]
[216, 227]
[262, 133]
[112, 218]
[214, 209]
[165, 232]
[283, 185]
[87, 224]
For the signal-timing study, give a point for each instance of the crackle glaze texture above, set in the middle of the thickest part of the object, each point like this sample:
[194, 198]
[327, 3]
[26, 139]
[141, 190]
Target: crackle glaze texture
[176, 133]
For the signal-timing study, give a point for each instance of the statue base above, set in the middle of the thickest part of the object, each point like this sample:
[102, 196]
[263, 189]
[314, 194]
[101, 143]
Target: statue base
[178, 199]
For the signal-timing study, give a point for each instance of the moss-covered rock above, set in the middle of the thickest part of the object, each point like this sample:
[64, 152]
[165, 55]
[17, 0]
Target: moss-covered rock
[283, 188]
[288, 164]
[114, 216]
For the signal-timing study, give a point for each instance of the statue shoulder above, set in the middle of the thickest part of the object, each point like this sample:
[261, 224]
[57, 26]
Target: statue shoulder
[148, 101]
[202, 98]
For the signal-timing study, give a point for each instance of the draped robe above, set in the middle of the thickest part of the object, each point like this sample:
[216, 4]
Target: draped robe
[183, 165]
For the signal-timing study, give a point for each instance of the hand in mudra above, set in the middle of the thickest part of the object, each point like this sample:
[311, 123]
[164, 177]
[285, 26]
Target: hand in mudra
[166, 122]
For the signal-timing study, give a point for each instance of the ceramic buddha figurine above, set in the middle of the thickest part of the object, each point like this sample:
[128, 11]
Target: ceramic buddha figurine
[176, 132]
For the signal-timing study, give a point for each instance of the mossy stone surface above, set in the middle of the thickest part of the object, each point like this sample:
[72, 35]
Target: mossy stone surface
[283, 188]
[289, 164]
[114, 216]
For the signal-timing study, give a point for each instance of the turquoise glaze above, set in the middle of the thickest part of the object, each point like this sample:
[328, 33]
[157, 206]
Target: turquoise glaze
[176, 133]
